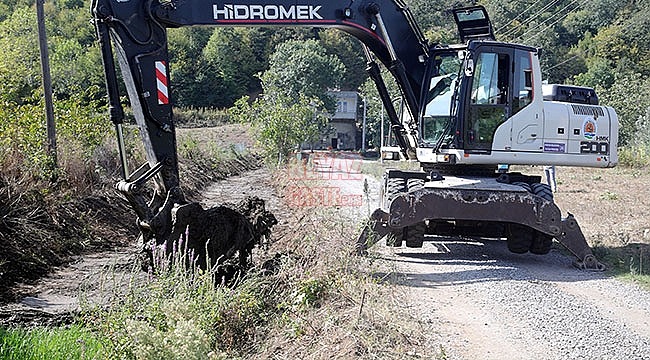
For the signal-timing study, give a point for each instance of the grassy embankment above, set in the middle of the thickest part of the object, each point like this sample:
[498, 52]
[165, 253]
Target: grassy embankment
[307, 297]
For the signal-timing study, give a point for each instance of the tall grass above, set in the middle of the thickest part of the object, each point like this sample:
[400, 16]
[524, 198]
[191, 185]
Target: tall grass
[64, 343]
[182, 312]
[200, 117]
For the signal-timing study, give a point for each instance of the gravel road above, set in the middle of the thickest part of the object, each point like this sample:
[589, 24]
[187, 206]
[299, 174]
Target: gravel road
[487, 303]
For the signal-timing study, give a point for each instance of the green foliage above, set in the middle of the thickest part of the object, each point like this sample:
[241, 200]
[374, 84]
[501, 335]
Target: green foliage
[281, 124]
[630, 97]
[349, 51]
[303, 69]
[75, 342]
[19, 57]
[22, 135]
[74, 59]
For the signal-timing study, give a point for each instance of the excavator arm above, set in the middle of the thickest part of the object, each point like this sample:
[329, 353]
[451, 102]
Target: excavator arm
[135, 33]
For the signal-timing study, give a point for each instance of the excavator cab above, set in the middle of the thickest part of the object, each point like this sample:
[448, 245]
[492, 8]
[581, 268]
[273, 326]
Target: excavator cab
[484, 105]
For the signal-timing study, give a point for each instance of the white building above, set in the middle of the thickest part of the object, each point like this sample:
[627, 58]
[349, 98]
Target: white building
[344, 122]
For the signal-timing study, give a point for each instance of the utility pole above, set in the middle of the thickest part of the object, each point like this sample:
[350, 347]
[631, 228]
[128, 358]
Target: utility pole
[47, 83]
[363, 126]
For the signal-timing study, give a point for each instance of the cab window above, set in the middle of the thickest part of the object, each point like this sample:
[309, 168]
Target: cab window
[523, 84]
[489, 98]
[442, 87]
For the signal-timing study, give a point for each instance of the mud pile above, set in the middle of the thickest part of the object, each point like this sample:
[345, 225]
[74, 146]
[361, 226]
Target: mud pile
[221, 238]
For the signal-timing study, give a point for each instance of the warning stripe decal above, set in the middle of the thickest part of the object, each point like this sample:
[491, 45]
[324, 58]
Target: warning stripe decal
[161, 80]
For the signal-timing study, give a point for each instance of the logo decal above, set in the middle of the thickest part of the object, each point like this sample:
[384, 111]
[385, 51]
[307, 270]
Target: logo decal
[589, 128]
[267, 12]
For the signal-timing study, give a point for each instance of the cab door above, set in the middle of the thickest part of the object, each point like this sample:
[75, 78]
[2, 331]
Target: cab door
[489, 100]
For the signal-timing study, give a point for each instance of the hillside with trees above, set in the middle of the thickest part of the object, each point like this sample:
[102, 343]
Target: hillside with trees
[598, 43]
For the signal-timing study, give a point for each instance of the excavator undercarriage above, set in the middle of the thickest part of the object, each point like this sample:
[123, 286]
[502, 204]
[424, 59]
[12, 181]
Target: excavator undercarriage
[513, 206]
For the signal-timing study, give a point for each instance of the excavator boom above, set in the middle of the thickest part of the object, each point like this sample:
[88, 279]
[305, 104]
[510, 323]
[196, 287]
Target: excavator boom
[135, 32]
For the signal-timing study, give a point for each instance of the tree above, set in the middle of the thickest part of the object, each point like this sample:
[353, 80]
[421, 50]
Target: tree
[281, 123]
[231, 57]
[19, 58]
[349, 51]
[186, 67]
[303, 69]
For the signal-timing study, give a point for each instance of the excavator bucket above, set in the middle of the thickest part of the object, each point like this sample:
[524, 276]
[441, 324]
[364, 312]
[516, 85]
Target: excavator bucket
[221, 237]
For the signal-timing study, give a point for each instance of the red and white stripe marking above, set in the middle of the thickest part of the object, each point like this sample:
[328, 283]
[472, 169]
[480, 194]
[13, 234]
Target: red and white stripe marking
[161, 80]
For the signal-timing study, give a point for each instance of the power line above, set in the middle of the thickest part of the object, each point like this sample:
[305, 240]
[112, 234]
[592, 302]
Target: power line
[541, 11]
[517, 17]
[547, 7]
[555, 22]
[562, 63]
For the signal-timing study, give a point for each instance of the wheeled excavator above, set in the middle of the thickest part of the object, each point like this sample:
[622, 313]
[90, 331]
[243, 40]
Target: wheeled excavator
[471, 110]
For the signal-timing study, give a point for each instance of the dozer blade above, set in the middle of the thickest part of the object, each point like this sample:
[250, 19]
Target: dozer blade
[479, 205]
[573, 239]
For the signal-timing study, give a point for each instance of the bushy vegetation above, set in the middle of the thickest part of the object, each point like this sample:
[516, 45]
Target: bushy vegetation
[313, 293]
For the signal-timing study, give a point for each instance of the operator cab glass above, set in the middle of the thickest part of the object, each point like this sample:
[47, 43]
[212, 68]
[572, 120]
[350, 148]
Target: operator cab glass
[499, 86]
[442, 88]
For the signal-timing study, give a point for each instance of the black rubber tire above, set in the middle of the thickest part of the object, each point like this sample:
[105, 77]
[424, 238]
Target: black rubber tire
[542, 190]
[519, 238]
[542, 243]
[394, 187]
[414, 235]
[414, 184]
[523, 185]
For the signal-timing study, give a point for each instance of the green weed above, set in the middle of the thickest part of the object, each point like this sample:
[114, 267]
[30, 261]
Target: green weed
[634, 157]
[608, 195]
[65, 343]
[630, 262]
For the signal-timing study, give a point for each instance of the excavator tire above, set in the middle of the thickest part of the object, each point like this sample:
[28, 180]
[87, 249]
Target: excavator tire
[542, 243]
[415, 184]
[414, 235]
[523, 185]
[519, 238]
[542, 190]
[395, 187]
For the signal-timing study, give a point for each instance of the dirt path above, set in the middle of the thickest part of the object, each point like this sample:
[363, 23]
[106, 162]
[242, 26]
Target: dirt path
[90, 278]
[487, 303]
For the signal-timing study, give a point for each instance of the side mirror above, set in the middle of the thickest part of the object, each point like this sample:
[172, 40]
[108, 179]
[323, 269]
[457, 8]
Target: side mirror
[469, 67]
